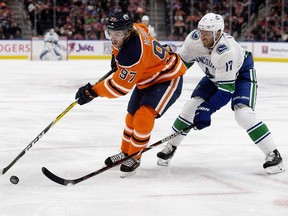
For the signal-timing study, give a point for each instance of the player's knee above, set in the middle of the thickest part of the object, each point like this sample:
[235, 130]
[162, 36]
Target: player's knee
[129, 120]
[143, 120]
[245, 116]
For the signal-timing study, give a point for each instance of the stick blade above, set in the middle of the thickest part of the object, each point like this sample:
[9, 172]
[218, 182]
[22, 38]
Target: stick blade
[55, 178]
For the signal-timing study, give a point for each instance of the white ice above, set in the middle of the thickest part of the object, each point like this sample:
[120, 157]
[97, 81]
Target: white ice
[215, 172]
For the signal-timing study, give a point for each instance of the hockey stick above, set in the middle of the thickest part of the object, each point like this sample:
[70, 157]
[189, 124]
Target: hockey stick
[5, 169]
[65, 182]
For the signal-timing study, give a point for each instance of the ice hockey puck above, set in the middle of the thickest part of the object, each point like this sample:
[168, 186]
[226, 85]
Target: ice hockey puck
[14, 179]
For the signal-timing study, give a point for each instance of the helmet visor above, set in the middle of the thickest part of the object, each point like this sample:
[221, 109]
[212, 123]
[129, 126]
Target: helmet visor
[115, 34]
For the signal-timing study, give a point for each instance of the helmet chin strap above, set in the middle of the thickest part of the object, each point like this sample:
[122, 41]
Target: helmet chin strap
[216, 40]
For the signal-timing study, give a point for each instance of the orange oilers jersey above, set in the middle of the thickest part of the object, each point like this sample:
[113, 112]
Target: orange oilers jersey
[141, 61]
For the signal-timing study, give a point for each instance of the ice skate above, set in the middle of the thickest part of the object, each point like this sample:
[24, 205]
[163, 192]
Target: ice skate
[273, 163]
[128, 168]
[115, 158]
[166, 155]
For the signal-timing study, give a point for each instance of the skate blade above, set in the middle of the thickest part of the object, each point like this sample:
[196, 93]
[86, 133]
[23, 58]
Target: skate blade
[162, 162]
[275, 169]
[127, 174]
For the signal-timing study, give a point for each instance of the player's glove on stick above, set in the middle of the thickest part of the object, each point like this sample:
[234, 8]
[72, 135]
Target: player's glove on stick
[167, 47]
[203, 114]
[85, 94]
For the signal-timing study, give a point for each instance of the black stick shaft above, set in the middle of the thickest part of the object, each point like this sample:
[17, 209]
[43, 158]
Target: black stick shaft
[5, 169]
[65, 182]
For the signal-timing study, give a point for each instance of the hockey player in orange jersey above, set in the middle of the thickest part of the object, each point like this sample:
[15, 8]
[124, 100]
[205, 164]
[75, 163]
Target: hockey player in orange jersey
[142, 62]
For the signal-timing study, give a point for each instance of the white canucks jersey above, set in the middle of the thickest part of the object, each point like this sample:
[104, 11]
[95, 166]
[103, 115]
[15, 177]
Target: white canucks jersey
[51, 37]
[51, 45]
[152, 31]
[220, 64]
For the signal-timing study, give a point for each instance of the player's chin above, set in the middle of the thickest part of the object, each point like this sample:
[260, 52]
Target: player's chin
[115, 44]
[204, 41]
[206, 44]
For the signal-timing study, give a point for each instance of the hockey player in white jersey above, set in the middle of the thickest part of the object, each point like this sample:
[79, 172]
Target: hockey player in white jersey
[145, 20]
[230, 76]
[51, 44]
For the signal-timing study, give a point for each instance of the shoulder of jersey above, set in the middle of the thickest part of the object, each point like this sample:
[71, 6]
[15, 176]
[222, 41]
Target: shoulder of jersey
[194, 35]
[141, 25]
[224, 44]
[222, 48]
[130, 53]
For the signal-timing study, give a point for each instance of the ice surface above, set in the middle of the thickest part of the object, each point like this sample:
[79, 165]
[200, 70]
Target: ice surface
[217, 171]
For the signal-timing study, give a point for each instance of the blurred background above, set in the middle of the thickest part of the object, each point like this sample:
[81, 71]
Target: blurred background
[246, 20]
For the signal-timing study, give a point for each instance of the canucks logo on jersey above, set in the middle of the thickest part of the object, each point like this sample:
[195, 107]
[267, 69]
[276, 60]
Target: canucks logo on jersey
[222, 48]
[195, 35]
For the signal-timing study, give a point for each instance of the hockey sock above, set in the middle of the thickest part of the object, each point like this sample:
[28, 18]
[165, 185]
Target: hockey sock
[127, 133]
[257, 130]
[179, 124]
[143, 123]
[262, 137]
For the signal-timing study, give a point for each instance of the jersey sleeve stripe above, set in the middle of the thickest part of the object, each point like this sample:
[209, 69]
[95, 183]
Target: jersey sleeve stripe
[109, 89]
[115, 88]
[173, 62]
[166, 75]
[170, 65]
[149, 80]
[119, 87]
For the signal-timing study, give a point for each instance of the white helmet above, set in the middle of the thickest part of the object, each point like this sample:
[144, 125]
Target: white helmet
[145, 18]
[51, 31]
[211, 22]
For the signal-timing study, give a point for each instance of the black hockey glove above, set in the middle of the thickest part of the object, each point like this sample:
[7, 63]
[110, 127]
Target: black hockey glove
[85, 94]
[203, 114]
